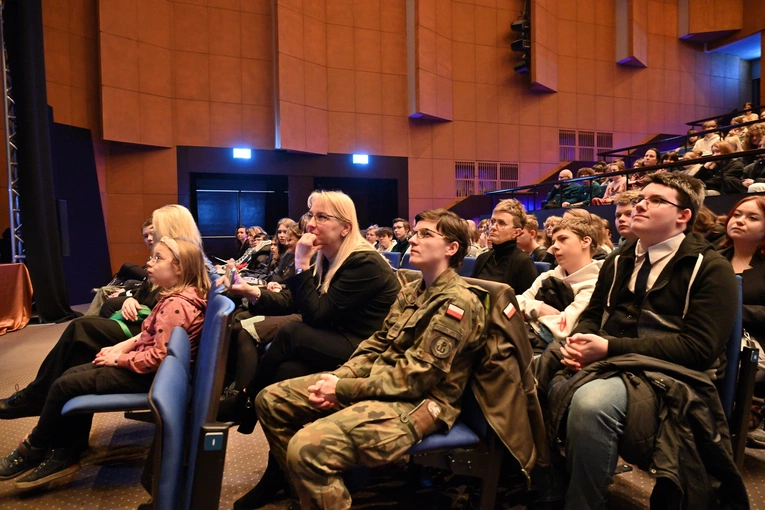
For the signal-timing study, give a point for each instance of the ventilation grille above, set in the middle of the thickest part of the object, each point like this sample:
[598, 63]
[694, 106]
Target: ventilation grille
[582, 145]
[484, 176]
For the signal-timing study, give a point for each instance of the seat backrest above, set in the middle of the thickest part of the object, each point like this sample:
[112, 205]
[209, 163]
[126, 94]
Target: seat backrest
[215, 289]
[466, 269]
[208, 375]
[405, 262]
[179, 347]
[393, 257]
[542, 266]
[471, 413]
[168, 398]
[727, 387]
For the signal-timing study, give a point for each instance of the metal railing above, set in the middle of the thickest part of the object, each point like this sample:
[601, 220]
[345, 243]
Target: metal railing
[533, 189]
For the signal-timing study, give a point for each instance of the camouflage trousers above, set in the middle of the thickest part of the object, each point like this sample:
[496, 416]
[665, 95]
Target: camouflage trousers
[315, 446]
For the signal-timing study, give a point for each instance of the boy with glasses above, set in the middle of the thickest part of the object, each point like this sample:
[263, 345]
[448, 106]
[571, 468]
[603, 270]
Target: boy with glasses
[668, 296]
[505, 262]
[402, 384]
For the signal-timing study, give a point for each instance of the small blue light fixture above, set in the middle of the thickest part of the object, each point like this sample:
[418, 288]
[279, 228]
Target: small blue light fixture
[241, 153]
[361, 159]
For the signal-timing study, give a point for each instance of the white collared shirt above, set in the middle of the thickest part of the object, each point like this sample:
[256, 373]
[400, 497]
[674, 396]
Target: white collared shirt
[660, 254]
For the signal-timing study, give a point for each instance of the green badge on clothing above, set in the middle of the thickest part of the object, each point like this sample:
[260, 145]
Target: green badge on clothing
[441, 347]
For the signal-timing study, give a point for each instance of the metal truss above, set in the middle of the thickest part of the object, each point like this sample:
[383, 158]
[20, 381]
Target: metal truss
[11, 161]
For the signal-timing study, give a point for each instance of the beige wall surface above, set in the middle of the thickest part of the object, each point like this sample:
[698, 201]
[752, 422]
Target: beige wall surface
[147, 76]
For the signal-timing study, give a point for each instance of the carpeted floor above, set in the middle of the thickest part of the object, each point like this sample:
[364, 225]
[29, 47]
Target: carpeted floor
[109, 478]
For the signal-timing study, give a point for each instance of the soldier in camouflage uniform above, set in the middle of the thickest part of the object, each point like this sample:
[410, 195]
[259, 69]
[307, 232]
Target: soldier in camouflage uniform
[400, 385]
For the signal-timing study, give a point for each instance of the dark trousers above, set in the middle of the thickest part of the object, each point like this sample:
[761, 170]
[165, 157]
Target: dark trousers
[56, 431]
[80, 342]
[299, 349]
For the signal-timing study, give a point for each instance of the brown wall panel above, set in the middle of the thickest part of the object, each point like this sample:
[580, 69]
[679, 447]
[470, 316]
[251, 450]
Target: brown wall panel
[177, 74]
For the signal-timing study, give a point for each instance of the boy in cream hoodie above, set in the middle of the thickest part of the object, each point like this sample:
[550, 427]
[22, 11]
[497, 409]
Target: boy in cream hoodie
[573, 247]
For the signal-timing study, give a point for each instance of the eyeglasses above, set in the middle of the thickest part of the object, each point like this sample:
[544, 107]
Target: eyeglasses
[425, 233]
[154, 259]
[321, 217]
[654, 202]
[500, 224]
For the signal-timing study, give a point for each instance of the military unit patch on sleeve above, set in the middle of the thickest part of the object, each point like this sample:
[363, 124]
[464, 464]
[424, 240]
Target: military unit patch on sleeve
[509, 311]
[455, 312]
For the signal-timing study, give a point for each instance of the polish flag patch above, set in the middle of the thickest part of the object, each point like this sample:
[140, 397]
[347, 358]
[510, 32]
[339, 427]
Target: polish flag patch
[455, 312]
[509, 310]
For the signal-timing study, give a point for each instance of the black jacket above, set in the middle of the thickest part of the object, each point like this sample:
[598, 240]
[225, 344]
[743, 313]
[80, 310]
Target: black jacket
[686, 317]
[753, 295]
[519, 270]
[359, 297]
[674, 417]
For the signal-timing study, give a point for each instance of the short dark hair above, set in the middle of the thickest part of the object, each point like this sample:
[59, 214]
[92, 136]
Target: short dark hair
[384, 232]
[453, 228]
[146, 223]
[402, 220]
[690, 191]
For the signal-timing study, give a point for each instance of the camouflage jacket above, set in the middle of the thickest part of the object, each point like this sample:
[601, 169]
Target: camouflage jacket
[427, 347]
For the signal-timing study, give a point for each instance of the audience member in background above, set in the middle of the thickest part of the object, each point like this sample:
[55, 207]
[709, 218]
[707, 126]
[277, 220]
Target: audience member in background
[616, 184]
[705, 144]
[128, 279]
[670, 157]
[690, 169]
[590, 189]
[402, 384]
[254, 236]
[753, 140]
[282, 234]
[623, 217]
[505, 262]
[722, 176]
[371, 236]
[550, 223]
[690, 142]
[754, 173]
[651, 157]
[52, 450]
[241, 241]
[483, 234]
[527, 241]
[563, 195]
[385, 239]
[401, 233]
[749, 115]
[84, 337]
[633, 180]
[735, 136]
[708, 225]
[474, 248]
[260, 255]
[670, 297]
[551, 306]
[744, 246]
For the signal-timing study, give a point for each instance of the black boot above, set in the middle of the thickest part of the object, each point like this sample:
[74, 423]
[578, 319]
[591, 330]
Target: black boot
[248, 418]
[271, 483]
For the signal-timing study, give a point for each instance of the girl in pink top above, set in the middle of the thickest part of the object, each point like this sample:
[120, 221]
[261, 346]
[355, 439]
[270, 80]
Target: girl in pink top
[52, 450]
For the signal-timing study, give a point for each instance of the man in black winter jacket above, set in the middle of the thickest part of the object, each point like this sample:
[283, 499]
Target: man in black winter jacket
[667, 295]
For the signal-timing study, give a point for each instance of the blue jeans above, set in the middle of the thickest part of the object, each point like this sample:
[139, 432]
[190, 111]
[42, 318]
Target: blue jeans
[595, 424]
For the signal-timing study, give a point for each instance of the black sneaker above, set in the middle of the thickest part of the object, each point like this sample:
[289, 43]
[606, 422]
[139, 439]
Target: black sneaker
[19, 405]
[21, 460]
[62, 463]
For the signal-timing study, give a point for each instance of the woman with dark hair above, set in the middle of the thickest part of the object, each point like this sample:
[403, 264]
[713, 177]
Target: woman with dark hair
[745, 248]
[241, 241]
[723, 176]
